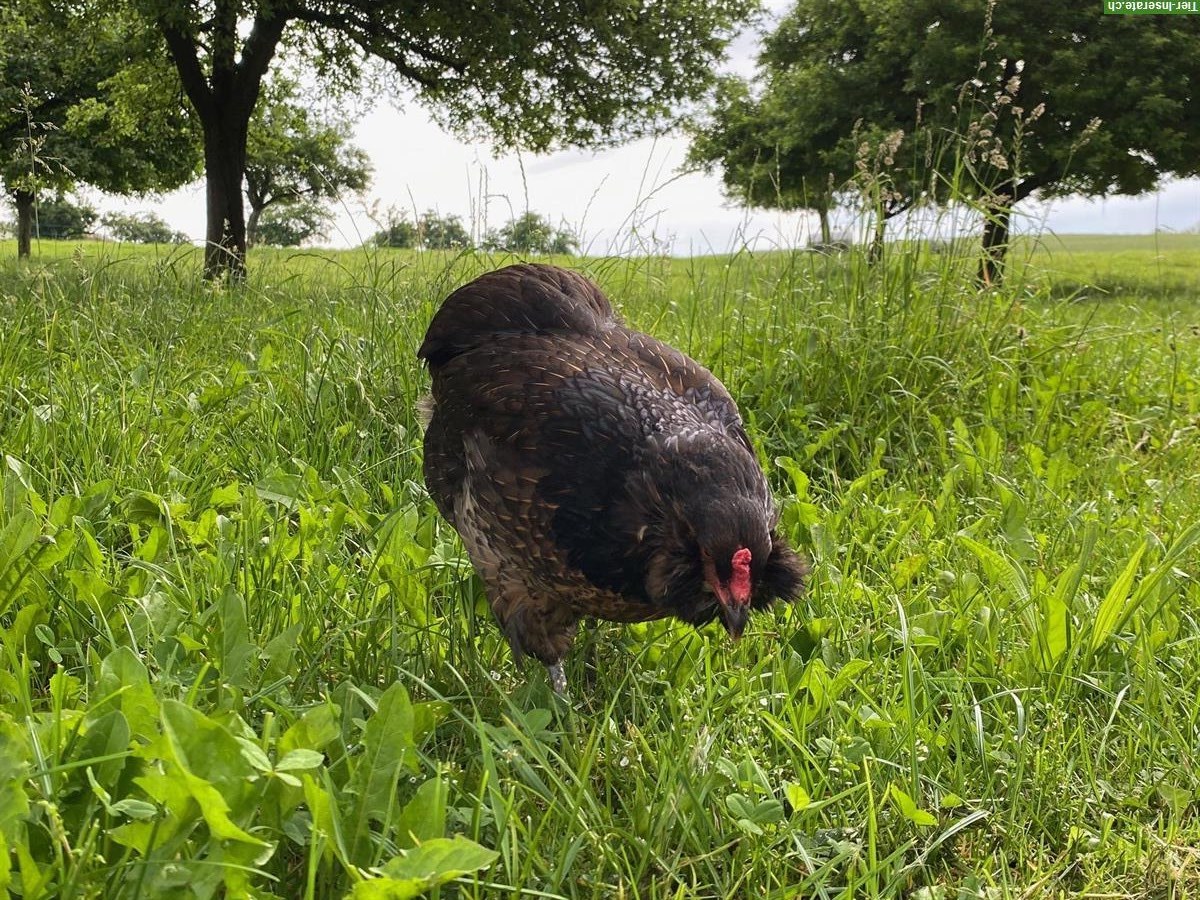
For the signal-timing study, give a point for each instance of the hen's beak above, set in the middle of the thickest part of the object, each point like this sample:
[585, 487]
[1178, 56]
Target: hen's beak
[734, 616]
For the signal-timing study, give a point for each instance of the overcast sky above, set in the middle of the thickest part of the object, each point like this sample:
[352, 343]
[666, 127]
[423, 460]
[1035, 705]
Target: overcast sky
[629, 199]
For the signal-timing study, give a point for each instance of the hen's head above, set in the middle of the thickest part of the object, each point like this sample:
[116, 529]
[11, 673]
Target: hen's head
[734, 543]
[713, 549]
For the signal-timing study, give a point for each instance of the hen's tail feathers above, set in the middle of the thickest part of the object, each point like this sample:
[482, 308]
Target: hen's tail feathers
[523, 299]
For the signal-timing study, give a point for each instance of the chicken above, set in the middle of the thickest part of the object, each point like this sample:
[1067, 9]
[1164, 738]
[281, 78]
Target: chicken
[590, 469]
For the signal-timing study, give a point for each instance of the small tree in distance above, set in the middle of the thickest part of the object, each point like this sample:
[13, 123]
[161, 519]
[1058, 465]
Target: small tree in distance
[295, 157]
[439, 232]
[432, 231]
[142, 228]
[57, 218]
[292, 224]
[396, 230]
[531, 232]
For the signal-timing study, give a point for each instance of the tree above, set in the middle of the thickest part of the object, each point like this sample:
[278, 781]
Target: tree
[531, 233]
[431, 231]
[438, 232]
[142, 228]
[1035, 97]
[808, 131]
[291, 156]
[98, 114]
[523, 73]
[397, 231]
[60, 219]
[292, 223]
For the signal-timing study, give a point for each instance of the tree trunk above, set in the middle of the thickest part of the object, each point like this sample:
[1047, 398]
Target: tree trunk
[224, 98]
[24, 202]
[875, 251]
[224, 168]
[252, 223]
[997, 212]
[826, 233]
[997, 218]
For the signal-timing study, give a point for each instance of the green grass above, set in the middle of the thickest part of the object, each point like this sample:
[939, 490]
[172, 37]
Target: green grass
[217, 560]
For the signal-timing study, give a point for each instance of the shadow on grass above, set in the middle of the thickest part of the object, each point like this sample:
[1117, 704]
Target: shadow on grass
[1117, 287]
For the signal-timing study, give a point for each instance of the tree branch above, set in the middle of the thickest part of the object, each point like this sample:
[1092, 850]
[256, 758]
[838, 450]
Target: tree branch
[260, 46]
[377, 40]
[191, 74]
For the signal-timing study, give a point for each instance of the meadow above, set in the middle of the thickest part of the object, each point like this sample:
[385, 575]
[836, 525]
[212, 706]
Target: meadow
[243, 657]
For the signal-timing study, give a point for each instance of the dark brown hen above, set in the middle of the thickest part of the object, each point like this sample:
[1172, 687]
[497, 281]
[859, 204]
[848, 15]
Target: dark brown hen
[591, 469]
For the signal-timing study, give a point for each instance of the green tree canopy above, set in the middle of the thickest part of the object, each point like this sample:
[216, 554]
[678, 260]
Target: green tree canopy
[95, 113]
[438, 232]
[142, 228]
[396, 230]
[531, 232]
[995, 100]
[294, 155]
[431, 231]
[292, 222]
[522, 73]
[60, 218]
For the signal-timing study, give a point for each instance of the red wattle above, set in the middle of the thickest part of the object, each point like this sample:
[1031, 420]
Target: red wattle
[739, 583]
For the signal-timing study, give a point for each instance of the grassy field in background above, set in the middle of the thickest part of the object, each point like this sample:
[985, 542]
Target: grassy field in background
[242, 655]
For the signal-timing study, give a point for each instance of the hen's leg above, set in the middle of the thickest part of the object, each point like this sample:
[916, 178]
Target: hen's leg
[558, 680]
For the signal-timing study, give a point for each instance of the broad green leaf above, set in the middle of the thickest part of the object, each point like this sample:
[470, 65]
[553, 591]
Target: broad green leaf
[424, 816]
[387, 742]
[423, 868]
[16, 539]
[297, 760]
[124, 685]
[14, 769]
[750, 815]
[236, 651]
[212, 767]
[134, 808]
[326, 821]
[797, 796]
[170, 792]
[278, 654]
[106, 736]
[35, 878]
[312, 731]
[282, 488]
[229, 495]
[951, 800]
[254, 754]
[17, 536]
[908, 808]
[1112, 607]
[5, 865]
[427, 715]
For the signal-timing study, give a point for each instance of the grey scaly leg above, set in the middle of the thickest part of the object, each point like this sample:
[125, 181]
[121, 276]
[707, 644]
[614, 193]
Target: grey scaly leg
[558, 680]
